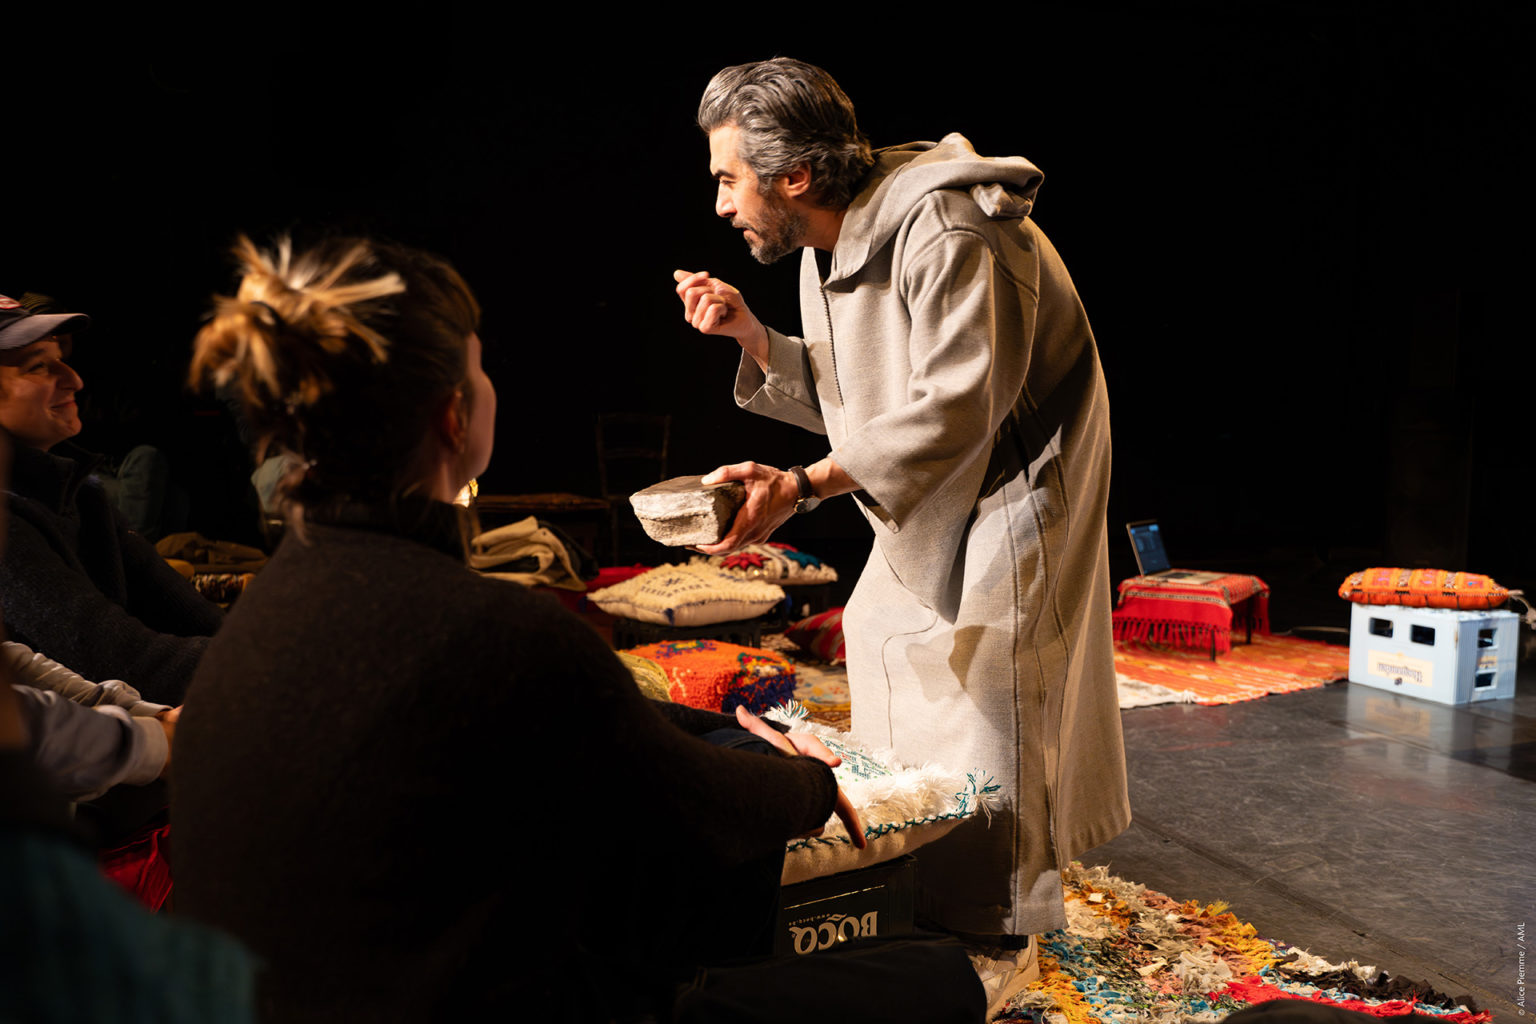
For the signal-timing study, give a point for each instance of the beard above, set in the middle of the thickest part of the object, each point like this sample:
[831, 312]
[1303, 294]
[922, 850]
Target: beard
[779, 231]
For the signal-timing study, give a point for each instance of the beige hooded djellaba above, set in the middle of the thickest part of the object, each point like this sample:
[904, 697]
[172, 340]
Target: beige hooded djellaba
[949, 361]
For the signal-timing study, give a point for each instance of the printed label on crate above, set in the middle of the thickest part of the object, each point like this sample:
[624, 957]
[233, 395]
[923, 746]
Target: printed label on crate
[1400, 668]
[836, 928]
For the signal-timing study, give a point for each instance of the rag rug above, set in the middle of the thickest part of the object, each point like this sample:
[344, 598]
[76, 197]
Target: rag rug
[1130, 953]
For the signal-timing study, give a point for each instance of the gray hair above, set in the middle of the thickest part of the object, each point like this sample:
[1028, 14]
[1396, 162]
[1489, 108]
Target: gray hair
[791, 113]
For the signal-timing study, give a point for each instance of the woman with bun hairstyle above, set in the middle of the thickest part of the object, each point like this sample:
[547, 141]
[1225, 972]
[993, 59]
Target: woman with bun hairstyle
[418, 793]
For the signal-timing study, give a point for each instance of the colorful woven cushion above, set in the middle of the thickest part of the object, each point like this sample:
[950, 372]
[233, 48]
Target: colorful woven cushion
[718, 676]
[1421, 588]
[777, 563]
[900, 807]
[821, 635]
[688, 595]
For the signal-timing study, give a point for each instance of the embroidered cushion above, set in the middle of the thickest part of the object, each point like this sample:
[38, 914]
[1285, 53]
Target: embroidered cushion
[717, 676]
[777, 563]
[821, 635]
[900, 807]
[688, 595]
[1420, 588]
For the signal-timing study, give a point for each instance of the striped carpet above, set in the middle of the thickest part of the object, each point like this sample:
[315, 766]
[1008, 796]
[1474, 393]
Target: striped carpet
[1147, 675]
[1270, 664]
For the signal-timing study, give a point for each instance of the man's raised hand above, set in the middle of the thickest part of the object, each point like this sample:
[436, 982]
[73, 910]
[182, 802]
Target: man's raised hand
[713, 307]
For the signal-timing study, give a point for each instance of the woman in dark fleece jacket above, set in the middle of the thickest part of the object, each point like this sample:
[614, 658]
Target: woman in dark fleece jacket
[415, 792]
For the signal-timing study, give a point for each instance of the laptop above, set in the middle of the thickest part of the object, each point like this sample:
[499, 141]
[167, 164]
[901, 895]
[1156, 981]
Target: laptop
[1152, 557]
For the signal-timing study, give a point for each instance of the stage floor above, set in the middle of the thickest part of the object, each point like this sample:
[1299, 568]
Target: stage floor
[1357, 823]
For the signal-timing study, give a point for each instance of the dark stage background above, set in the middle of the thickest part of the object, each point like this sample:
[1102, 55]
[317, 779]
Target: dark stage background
[1293, 227]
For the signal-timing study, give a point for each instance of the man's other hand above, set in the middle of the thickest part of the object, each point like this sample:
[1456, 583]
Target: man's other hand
[771, 497]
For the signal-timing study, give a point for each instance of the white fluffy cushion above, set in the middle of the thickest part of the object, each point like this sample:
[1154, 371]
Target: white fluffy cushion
[688, 595]
[901, 808]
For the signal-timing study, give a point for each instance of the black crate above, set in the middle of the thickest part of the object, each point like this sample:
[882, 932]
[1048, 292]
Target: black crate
[822, 912]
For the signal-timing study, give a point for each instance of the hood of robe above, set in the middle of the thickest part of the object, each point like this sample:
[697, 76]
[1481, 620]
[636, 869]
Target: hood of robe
[1002, 187]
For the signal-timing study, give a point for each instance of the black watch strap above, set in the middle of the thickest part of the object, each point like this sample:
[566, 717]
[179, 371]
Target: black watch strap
[808, 500]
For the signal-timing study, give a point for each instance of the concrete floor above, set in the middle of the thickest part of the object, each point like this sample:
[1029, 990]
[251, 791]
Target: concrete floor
[1353, 822]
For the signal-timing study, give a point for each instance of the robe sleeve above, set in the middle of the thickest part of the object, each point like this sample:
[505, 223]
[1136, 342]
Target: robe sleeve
[787, 391]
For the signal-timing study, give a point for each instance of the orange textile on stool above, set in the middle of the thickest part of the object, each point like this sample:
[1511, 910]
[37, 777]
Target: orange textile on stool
[1421, 588]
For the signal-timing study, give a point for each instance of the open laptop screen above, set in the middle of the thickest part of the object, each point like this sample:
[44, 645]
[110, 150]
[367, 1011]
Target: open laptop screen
[1147, 540]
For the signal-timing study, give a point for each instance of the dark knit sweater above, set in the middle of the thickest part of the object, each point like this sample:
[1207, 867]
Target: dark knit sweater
[80, 587]
[418, 793]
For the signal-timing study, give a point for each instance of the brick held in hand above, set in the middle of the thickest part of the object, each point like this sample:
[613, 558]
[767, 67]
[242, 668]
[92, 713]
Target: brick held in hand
[682, 511]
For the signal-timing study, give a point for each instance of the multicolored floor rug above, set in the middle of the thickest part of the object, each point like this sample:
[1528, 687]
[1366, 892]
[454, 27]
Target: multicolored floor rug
[823, 689]
[1270, 664]
[820, 686]
[1130, 953]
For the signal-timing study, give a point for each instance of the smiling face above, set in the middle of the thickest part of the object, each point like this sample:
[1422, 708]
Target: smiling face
[772, 227]
[37, 393]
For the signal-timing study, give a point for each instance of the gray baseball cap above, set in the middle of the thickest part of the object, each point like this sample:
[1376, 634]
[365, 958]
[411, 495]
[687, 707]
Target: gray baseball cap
[19, 326]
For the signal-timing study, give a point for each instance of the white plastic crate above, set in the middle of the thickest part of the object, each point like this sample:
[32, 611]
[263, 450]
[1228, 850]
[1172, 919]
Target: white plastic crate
[1452, 657]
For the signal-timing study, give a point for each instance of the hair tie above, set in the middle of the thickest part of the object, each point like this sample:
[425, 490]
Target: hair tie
[277, 319]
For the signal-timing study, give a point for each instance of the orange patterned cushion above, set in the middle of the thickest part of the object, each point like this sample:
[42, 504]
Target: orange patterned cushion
[1423, 588]
[717, 676]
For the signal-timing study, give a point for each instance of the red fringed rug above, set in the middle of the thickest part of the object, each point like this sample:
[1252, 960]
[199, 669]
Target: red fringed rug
[1270, 664]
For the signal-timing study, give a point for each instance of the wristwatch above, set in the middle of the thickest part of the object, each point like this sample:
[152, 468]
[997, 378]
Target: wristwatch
[808, 500]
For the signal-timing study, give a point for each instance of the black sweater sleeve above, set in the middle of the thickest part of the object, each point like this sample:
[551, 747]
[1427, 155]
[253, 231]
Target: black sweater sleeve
[738, 804]
[58, 610]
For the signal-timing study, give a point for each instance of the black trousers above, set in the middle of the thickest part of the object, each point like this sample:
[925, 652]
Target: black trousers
[915, 979]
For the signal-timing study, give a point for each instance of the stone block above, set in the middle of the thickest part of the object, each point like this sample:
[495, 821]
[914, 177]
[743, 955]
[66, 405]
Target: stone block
[682, 512]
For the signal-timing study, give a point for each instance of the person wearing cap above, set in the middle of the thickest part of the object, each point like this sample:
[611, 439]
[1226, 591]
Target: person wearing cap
[75, 582]
[38, 387]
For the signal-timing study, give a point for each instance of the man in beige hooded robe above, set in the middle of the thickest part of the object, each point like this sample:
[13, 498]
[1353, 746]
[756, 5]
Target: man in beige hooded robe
[946, 356]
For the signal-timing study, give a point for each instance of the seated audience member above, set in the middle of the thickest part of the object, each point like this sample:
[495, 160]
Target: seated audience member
[136, 481]
[75, 582]
[75, 947]
[416, 792]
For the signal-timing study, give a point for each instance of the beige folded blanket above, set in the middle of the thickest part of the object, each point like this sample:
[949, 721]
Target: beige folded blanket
[523, 539]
